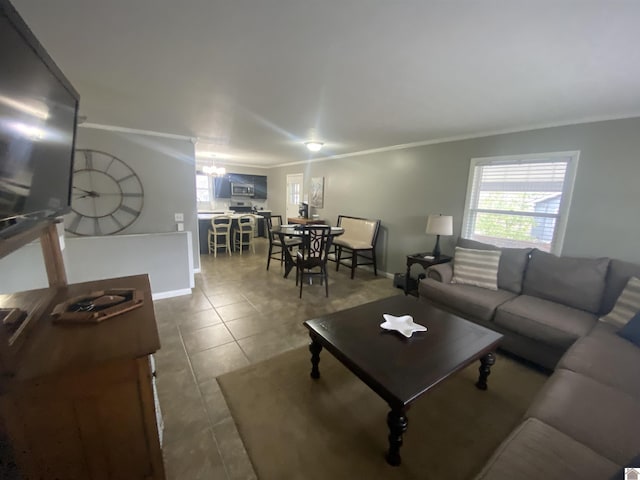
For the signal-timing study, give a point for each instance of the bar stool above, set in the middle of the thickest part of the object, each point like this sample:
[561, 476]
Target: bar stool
[243, 234]
[219, 234]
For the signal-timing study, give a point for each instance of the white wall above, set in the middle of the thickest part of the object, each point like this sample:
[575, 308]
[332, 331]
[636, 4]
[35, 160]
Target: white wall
[165, 257]
[166, 168]
[402, 187]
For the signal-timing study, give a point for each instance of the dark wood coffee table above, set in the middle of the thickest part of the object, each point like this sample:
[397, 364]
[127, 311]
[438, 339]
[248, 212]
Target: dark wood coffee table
[397, 368]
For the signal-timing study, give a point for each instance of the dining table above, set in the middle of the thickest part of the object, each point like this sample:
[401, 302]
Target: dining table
[295, 230]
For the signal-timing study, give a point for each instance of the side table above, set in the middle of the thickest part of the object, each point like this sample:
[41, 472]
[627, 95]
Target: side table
[424, 259]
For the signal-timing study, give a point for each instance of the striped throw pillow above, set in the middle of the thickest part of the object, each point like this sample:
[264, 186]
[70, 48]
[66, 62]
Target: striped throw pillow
[476, 267]
[627, 305]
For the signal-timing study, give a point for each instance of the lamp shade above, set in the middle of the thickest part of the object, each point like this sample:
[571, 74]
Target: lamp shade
[439, 225]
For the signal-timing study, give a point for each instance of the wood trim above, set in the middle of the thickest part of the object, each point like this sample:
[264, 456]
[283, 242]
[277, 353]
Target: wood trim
[149, 413]
[13, 243]
[52, 253]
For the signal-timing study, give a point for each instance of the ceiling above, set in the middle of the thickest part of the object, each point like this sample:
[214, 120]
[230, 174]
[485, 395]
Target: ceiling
[254, 79]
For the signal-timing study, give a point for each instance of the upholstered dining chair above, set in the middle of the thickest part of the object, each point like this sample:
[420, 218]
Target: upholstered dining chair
[244, 233]
[358, 244]
[311, 259]
[219, 235]
[276, 248]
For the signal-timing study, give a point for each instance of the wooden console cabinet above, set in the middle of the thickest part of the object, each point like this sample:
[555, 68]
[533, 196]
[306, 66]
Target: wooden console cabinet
[77, 402]
[305, 221]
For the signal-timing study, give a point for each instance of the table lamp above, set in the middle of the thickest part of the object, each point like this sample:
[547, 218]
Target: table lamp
[439, 225]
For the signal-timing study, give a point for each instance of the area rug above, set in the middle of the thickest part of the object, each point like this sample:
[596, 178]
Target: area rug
[294, 427]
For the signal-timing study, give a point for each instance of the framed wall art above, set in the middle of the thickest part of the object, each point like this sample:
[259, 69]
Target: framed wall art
[317, 192]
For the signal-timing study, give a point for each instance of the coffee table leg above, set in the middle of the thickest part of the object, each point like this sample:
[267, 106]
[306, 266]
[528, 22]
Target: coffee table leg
[485, 369]
[315, 348]
[397, 422]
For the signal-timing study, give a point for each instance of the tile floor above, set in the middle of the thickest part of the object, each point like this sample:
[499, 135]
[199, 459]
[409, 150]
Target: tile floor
[238, 314]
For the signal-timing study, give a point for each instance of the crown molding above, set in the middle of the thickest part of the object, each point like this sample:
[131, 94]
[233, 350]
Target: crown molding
[457, 138]
[403, 146]
[136, 131]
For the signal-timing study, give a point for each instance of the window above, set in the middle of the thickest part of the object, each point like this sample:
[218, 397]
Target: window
[295, 190]
[520, 201]
[203, 188]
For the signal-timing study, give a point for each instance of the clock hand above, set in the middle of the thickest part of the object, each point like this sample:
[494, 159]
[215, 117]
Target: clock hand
[96, 195]
[88, 194]
[82, 189]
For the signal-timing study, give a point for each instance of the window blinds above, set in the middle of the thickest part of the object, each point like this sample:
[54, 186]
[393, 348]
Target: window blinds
[516, 203]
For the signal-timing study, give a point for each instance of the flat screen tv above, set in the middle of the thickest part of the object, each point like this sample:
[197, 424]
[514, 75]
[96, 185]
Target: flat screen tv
[38, 114]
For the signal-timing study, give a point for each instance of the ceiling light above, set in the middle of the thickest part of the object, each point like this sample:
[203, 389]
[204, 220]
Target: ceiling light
[314, 146]
[214, 171]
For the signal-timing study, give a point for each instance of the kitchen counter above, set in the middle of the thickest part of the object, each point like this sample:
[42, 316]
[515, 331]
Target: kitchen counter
[204, 222]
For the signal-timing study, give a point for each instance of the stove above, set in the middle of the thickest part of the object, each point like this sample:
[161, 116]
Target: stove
[240, 206]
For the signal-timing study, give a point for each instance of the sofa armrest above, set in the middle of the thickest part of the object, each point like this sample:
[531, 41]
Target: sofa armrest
[442, 272]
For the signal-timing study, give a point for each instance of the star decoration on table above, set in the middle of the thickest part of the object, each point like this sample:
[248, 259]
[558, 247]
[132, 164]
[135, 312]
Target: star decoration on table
[403, 324]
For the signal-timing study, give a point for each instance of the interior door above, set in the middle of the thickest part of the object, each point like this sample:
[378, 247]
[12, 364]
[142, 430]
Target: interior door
[294, 194]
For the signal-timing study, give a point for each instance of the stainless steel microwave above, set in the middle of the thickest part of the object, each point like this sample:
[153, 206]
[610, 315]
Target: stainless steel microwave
[242, 190]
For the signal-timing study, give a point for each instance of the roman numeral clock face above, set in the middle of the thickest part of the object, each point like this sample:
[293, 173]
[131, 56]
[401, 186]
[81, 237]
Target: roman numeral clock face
[107, 194]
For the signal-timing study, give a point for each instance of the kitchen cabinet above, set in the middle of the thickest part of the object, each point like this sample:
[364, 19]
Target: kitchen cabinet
[222, 186]
[260, 184]
[262, 227]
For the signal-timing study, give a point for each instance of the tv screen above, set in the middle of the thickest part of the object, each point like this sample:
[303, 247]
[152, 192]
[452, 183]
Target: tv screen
[38, 111]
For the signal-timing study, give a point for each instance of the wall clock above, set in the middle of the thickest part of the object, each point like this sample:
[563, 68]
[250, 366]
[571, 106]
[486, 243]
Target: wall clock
[107, 194]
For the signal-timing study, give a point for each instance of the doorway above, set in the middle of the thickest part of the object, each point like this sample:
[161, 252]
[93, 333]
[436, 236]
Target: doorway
[294, 195]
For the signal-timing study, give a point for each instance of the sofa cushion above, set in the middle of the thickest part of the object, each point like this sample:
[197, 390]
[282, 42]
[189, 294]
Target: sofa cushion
[442, 272]
[468, 300]
[575, 282]
[607, 358]
[631, 331]
[627, 305]
[543, 320]
[476, 267]
[617, 278]
[535, 450]
[601, 417]
[513, 262]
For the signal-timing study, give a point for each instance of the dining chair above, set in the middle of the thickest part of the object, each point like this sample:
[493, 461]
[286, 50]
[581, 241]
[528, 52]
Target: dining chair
[244, 233]
[275, 242]
[358, 244]
[311, 259]
[219, 234]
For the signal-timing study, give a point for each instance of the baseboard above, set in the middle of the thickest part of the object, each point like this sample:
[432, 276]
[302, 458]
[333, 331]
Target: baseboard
[170, 294]
[368, 268]
[380, 272]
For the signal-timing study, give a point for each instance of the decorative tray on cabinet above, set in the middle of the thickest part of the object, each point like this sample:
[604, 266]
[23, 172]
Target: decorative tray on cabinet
[97, 306]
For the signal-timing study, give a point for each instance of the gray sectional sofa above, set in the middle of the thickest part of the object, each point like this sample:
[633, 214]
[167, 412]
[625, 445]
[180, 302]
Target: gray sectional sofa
[585, 422]
[543, 304]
